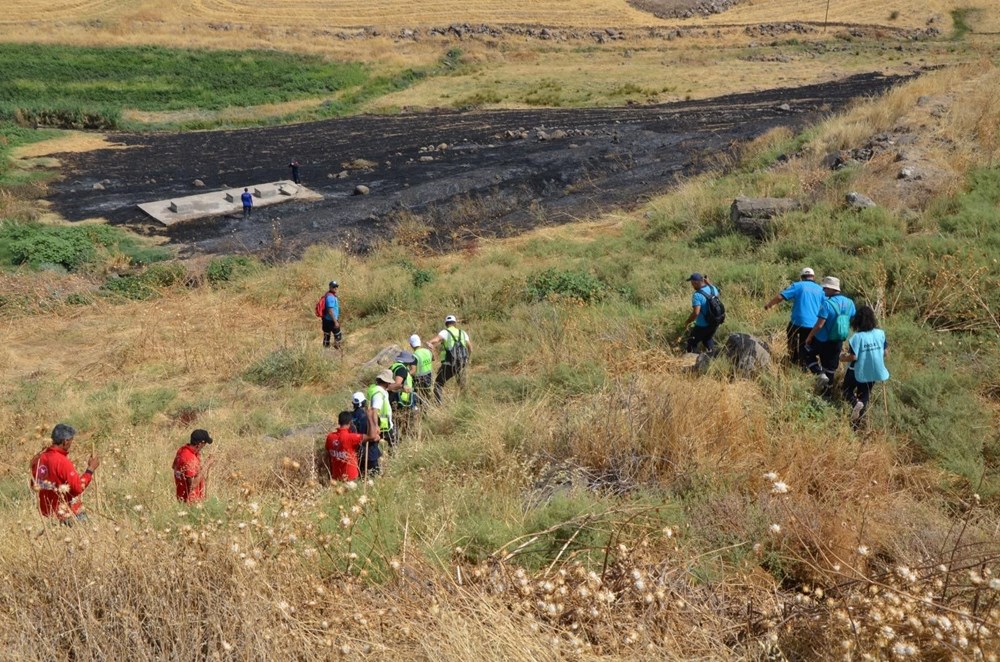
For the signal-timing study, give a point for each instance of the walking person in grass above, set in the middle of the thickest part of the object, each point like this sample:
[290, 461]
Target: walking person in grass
[705, 322]
[826, 339]
[328, 310]
[422, 378]
[866, 353]
[455, 357]
[369, 453]
[342, 447]
[806, 297]
[55, 479]
[190, 473]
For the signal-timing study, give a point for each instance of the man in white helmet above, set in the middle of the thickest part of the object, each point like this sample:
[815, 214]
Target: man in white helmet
[455, 357]
[423, 377]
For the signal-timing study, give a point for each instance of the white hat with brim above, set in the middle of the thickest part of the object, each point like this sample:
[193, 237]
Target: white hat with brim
[807, 272]
[385, 376]
[831, 283]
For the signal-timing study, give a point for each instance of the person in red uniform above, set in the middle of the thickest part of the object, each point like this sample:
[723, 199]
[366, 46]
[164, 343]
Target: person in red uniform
[189, 472]
[342, 448]
[55, 479]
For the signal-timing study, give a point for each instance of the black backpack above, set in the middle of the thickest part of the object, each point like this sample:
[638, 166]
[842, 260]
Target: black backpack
[458, 355]
[715, 310]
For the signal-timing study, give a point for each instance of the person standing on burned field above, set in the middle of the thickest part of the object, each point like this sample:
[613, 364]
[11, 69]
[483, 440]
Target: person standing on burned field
[294, 166]
[247, 198]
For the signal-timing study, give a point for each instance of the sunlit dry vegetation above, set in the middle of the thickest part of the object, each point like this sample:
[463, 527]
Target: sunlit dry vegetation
[586, 496]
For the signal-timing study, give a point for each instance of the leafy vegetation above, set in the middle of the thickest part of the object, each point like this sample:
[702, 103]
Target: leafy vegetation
[229, 268]
[76, 87]
[70, 247]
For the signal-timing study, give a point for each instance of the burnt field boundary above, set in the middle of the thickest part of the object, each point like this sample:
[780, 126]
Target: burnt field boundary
[465, 174]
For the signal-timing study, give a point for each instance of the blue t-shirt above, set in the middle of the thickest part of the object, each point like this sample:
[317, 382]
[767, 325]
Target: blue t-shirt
[832, 308]
[869, 347]
[332, 308]
[700, 298]
[806, 297]
[247, 199]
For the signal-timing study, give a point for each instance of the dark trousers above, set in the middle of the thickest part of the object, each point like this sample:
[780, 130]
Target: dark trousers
[855, 392]
[796, 345]
[246, 212]
[368, 458]
[331, 328]
[446, 372]
[423, 384]
[295, 174]
[824, 359]
[704, 335]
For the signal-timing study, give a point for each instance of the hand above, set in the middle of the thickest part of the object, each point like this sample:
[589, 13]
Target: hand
[808, 347]
[407, 389]
[93, 463]
[767, 306]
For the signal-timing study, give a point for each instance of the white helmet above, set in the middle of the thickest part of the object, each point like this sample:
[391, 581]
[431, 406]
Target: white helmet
[414, 341]
[358, 398]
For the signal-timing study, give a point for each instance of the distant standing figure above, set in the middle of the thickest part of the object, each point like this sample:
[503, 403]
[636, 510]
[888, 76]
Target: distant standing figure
[190, 473]
[294, 165]
[55, 479]
[703, 331]
[807, 297]
[866, 352]
[454, 358]
[247, 199]
[331, 317]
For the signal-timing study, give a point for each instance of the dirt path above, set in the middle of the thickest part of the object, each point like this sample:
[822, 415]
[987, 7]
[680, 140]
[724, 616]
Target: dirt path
[502, 171]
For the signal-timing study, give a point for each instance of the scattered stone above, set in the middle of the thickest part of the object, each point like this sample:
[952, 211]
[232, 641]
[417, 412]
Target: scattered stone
[343, 174]
[754, 216]
[748, 355]
[785, 108]
[860, 200]
[426, 159]
[908, 174]
[198, 183]
[837, 160]
[442, 147]
[557, 134]
[361, 189]
[383, 359]
[98, 186]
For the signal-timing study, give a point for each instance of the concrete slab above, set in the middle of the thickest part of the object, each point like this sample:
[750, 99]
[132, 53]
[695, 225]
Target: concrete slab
[222, 203]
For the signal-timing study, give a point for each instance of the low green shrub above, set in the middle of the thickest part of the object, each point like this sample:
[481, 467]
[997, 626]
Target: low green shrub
[566, 284]
[287, 367]
[146, 284]
[230, 268]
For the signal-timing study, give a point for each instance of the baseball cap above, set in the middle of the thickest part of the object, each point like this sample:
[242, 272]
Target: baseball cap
[450, 318]
[696, 276]
[385, 376]
[333, 283]
[358, 398]
[200, 437]
[414, 341]
[406, 357]
[807, 271]
[831, 283]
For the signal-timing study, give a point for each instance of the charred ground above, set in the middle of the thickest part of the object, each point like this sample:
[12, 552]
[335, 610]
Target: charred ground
[464, 174]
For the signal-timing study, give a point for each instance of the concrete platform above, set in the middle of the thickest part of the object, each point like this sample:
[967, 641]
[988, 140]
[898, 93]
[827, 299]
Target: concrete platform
[222, 203]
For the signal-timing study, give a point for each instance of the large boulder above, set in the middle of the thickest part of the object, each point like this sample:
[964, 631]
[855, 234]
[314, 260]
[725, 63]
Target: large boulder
[859, 201]
[754, 216]
[747, 355]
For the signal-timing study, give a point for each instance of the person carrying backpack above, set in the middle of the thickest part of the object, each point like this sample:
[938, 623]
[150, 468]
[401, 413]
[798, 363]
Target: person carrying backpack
[454, 358]
[866, 353]
[328, 310]
[826, 338]
[707, 313]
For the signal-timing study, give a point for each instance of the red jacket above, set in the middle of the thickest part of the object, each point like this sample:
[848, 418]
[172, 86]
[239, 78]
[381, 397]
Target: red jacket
[187, 464]
[58, 484]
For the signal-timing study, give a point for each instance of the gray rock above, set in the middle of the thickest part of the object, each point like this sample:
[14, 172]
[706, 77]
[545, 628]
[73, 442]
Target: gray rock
[198, 183]
[98, 186]
[361, 189]
[383, 359]
[754, 216]
[343, 174]
[426, 159]
[557, 134]
[785, 108]
[860, 200]
[747, 355]
[908, 174]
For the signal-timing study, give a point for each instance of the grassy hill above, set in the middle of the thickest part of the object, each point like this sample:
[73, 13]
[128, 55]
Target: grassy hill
[586, 496]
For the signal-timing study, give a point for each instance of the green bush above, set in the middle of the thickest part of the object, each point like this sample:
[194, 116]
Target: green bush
[70, 246]
[566, 284]
[143, 405]
[230, 268]
[147, 283]
[287, 367]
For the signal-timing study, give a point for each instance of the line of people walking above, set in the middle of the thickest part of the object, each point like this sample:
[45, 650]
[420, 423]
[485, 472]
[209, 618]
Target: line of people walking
[822, 319]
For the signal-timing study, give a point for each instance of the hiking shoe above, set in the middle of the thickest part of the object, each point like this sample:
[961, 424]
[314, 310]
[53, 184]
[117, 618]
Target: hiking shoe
[822, 382]
[859, 407]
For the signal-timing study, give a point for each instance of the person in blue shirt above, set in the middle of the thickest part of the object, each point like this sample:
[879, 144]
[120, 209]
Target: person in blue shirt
[826, 338]
[247, 198]
[703, 332]
[806, 297]
[369, 453]
[866, 353]
[331, 318]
